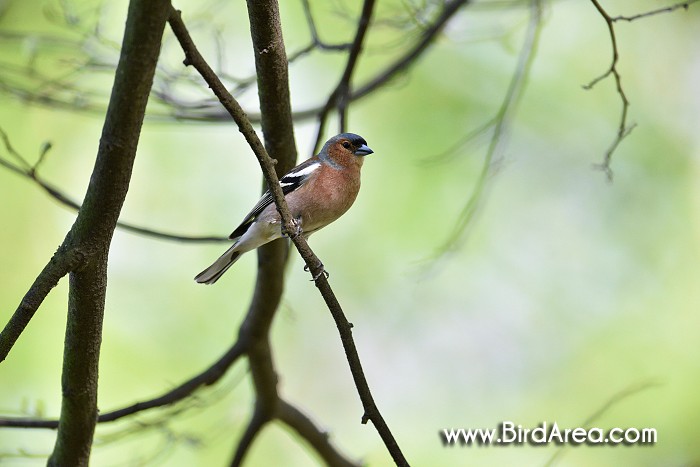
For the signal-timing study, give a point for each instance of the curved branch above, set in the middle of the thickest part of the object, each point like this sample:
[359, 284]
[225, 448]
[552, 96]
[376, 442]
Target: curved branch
[623, 129]
[614, 400]
[409, 58]
[31, 172]
[206, 378]
[305, 428]
[378, 81]
[257, 421]
[499, 122]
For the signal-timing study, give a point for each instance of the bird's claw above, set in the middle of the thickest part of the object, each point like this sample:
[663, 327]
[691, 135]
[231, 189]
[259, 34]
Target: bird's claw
[323, 272]
[296, 222]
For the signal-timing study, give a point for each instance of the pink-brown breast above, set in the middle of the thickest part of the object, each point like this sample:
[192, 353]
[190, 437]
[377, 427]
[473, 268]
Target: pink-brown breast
[334, 191]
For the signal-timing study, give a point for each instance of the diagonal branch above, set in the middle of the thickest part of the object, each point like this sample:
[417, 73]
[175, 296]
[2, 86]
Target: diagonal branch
[382, 78]
[207, 377]
[341, 94]
[414, 53]
[304, 427]
[499, 124]
[614, 400]
[257, 422]
[315, 38]
[63, 261]
[194, 58]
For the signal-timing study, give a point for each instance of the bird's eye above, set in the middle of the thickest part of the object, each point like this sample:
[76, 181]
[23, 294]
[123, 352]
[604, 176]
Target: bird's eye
[346, 144]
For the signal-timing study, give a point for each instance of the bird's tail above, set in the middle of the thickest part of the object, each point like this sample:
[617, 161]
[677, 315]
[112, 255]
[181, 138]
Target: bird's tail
[220, 266]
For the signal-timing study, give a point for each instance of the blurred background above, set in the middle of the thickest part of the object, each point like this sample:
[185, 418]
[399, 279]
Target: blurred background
[565, 294]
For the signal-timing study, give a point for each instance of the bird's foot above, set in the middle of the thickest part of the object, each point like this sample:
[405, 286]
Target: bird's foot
[296, 222]
[323, 272]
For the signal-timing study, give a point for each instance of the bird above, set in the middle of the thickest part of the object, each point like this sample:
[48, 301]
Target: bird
[318, 191]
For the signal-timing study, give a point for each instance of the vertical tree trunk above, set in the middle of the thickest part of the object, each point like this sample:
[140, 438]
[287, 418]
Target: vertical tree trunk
[93, 229]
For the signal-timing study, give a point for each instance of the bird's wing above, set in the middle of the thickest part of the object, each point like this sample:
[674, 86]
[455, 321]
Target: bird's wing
[294, 179]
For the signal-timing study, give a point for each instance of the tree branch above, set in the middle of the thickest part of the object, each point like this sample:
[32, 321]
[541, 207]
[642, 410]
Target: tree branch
[207, 377]
[94, 227]
[413, 54]
[31, 172]
[382, 78]
[257, 421]
[341, 94]
[499, 124]
[305, 428]
[63, 261]
[316, 41]
[668, 9]
[273, 82]
[623, 129]
[315, 266]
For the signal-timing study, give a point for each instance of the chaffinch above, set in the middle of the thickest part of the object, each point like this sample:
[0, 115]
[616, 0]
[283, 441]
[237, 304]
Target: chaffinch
[318, 191]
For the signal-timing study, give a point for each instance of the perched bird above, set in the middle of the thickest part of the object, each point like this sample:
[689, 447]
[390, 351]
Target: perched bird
[318, 191]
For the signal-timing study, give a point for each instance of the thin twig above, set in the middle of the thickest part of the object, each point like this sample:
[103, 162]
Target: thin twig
[207, 377]
[316, 41]
[668, 9]
[414, 53]
[613, 401]
[31, 172]
[623, 129]
[206, 111]
[500, 125]
[340, 96]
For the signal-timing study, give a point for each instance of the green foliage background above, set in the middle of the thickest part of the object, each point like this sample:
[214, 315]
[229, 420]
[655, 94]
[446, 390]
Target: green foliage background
[567, 291]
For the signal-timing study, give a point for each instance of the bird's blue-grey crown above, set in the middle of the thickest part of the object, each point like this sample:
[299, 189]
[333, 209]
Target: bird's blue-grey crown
[359, 143]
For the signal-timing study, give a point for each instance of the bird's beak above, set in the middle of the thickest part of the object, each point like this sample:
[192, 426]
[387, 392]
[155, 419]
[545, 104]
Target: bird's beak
[363, 150]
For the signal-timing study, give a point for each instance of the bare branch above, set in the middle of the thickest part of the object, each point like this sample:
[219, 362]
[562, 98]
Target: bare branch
[315, 266]
[613, 401]
[668, 9]
[207, 377]
[414, 53]
[316, 41]
[341, 94]
[94, 228]
[382, 78]
[318, 439]
[500, 123]
[257, 421]
[31, 172]
[62, 262]
[623, 129]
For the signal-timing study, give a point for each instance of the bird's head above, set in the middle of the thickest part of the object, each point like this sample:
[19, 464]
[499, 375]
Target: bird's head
[347, 144]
